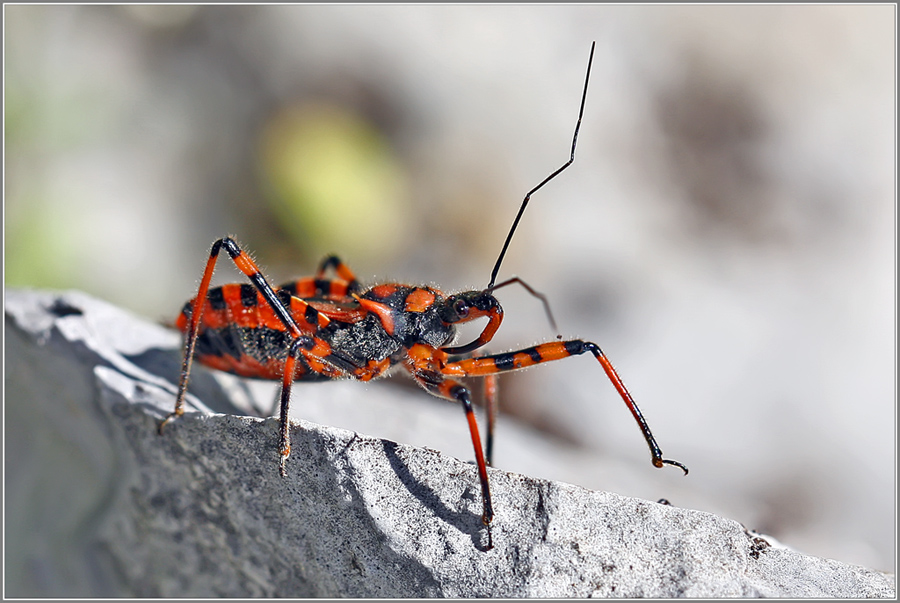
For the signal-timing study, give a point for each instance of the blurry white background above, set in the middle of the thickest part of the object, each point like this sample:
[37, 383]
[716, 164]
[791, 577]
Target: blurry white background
[726, 232]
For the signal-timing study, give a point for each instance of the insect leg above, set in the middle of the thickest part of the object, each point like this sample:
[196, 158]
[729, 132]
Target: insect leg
[489, 392]
[557, 350]
[251, 270]
[491, 387]
[315, 351]
[287, 382]
[341, 269]
[449, 389]
[191, 334]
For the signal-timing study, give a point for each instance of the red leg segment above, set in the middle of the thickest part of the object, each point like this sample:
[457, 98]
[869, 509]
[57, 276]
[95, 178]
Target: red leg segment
[436, 384]
[557, 350]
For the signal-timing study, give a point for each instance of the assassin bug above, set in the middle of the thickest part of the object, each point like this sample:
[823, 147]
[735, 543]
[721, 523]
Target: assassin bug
[323, 328]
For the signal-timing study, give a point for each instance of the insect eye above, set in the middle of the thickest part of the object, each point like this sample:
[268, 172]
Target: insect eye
[461, 307]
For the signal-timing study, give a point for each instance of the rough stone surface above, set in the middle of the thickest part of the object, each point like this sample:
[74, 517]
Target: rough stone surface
[98, 504]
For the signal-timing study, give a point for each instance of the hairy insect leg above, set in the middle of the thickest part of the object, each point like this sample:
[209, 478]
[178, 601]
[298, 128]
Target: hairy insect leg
[557, 350]
[301, 344]
[452, 390]
[246, 265]
[287, 383]
[314, 354]
[656, 453]
[461, 394]
[190, 340]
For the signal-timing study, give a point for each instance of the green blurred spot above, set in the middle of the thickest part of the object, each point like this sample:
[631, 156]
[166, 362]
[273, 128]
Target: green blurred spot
[335, 184]
[39, 249]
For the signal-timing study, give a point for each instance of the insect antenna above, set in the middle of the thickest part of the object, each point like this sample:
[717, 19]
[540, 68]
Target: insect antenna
[545, 180]
[536, 294]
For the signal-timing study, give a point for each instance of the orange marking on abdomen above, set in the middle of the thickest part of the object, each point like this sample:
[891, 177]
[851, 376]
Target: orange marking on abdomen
[214, 319]
[267, 318]
[241, 315]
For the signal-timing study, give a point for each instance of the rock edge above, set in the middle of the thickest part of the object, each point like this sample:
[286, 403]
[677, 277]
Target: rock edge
[98, 504]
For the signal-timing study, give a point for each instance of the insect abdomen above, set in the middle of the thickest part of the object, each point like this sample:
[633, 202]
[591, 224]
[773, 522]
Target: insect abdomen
[240, 334]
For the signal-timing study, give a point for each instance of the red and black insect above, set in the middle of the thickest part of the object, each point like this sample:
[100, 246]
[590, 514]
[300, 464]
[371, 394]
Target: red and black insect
[331, 327]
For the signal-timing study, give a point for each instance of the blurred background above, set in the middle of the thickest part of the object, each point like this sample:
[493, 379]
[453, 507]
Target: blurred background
[726, 232]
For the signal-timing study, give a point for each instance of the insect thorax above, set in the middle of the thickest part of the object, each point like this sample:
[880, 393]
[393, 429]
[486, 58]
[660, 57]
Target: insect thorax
[414, 316]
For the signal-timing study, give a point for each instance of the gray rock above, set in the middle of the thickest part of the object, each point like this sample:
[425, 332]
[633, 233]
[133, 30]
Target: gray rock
[98, 504]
